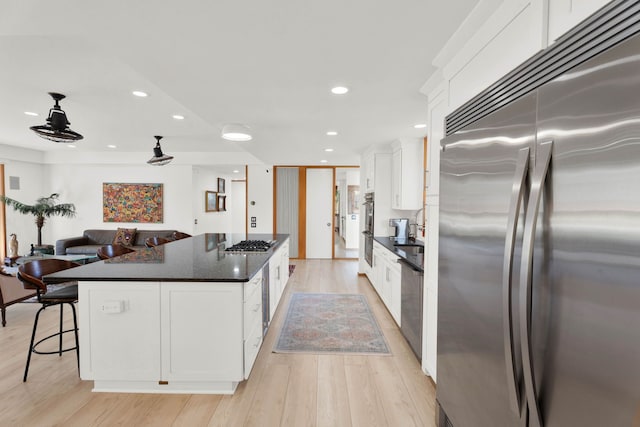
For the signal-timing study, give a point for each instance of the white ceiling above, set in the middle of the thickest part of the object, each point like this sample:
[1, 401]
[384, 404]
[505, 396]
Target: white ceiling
[269, 64]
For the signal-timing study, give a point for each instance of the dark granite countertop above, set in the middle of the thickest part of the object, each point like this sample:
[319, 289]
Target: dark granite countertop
[396, 246]
[200, 258]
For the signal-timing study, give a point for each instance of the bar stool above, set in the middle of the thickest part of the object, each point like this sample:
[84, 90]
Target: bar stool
[179, 235]
[154, 241]
[111, 251]
[30, 274]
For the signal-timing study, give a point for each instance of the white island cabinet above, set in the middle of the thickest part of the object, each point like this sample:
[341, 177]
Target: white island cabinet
[278, 276]
[184, 317]
[169, 337]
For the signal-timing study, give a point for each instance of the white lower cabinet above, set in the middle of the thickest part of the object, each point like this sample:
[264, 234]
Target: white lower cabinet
[395, 287]
[193, 349]
[172, 337]
[120, 331]
[252, 323]
[387, 279]
[284, 268]
[377, 278]
[278, 276]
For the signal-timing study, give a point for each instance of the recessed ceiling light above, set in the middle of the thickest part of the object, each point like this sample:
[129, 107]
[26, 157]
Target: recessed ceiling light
[31, 113]
[332, 133]
[71, 146]
[323, 161]
[236, 171]
[339, 90]
[140, 93]
[420, 126]
[328, 150]
[178, 117]
[112, 146]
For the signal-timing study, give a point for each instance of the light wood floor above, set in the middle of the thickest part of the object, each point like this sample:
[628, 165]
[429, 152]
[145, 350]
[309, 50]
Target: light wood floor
[283, 389]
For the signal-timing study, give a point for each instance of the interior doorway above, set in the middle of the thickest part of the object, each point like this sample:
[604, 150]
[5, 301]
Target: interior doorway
[347, 213]
[319, 208]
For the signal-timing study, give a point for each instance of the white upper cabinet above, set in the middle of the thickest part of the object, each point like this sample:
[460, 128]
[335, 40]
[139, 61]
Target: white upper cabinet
[406, 174]
[369, 172]
[565, 14]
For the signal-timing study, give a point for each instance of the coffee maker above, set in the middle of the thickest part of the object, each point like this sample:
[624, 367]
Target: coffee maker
[399, 228]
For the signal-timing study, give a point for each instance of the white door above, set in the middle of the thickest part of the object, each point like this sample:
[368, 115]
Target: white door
[319, 213]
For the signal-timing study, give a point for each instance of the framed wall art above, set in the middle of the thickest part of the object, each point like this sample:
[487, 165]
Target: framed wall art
[221, 185]
[222, 203]
[215, 241]
[353, 193]
[210, 201]
[124, 202]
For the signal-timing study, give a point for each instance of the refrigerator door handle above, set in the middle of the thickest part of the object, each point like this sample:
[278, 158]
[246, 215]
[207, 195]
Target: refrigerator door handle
[517, 192]
[543, 160]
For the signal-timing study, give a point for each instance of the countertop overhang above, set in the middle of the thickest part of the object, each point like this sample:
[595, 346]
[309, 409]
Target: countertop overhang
[201, 258]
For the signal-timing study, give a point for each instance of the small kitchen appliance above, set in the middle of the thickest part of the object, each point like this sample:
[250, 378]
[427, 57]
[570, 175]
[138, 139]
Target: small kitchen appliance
[399, 228]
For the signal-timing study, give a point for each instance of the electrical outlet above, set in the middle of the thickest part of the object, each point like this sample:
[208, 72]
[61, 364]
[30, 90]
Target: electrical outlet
[112, 307]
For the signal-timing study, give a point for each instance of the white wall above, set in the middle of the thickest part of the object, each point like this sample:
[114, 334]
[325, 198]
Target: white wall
[237, 205]
[31, 188]
[260, 190]
[82, 185]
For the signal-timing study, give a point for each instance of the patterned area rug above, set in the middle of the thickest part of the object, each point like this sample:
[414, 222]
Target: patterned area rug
[330, 323]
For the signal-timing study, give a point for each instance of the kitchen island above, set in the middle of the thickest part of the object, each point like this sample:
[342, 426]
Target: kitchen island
[184, 317]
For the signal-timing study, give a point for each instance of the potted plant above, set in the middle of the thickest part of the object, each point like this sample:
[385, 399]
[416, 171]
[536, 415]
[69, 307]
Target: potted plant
[44, 207]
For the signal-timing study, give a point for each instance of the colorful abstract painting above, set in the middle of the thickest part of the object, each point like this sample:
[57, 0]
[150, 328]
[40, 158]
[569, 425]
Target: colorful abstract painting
[132, 202]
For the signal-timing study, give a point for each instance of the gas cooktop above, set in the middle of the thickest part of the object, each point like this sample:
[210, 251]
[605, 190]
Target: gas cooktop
[251, 246]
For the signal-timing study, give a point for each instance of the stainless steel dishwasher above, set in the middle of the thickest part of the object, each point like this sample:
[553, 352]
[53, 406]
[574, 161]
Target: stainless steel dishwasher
[411, 308]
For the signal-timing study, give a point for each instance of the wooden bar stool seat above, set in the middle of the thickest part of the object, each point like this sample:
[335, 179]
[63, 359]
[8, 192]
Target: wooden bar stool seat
[30, 274]
[154, 241]
[111, 251]
[179, 235]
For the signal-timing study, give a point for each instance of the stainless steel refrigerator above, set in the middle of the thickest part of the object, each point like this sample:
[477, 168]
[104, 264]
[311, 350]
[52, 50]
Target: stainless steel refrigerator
[539, 257]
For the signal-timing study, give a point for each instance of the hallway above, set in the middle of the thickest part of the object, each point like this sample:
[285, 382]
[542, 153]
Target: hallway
[340, 251]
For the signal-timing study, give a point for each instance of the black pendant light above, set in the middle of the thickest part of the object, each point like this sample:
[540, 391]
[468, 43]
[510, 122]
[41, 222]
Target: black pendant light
[159, 158]
[57, 127]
